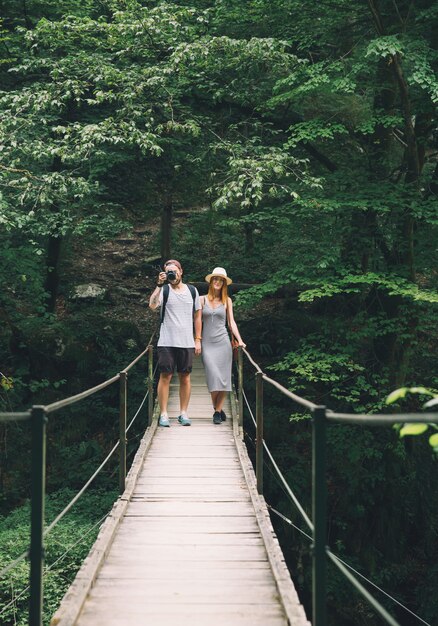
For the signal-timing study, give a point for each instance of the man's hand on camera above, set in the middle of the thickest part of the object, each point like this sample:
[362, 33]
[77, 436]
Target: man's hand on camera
[161, 279]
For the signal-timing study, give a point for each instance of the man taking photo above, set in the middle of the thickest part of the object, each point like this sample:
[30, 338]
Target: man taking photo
[180, 310]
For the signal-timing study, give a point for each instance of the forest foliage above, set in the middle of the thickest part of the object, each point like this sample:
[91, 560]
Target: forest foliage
[306, 133]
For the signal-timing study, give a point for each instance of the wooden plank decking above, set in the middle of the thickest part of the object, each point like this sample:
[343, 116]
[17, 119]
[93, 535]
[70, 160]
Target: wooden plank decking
[190, 543]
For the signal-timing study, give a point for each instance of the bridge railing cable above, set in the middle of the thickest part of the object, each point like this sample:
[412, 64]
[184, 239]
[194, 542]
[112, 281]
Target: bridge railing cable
[350, 567]
[99, 469]
[14, 563]
[286, 486]
[15, 417]
[73, 501]
[141, 404]
[38, 417]
[52, 565]
[310, 538]
[321, 417]
[56, 406]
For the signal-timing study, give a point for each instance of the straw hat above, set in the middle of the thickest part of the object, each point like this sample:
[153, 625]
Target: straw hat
[220, 273]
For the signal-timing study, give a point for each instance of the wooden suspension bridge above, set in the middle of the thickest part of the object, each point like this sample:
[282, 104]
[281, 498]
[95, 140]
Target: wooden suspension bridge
[189, 541]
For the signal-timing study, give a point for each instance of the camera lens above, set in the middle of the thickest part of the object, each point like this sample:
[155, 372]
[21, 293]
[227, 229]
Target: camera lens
[171, 275]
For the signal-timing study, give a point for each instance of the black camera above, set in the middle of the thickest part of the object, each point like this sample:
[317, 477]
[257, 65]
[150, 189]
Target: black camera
[171, 275]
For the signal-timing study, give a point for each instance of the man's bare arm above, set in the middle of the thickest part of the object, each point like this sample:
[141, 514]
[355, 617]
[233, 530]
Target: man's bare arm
[154, 300]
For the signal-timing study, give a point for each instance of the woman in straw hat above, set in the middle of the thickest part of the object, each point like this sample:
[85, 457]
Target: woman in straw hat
[217, 312]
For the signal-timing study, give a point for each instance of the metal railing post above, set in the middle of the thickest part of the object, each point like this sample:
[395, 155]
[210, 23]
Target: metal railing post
[122, 430]
[38, 484]
[150, 384]
[240, 383]
[319, 507]
[259, 433]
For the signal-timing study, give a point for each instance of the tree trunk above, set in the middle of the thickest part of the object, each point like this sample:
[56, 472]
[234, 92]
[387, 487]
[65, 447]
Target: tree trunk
[51, 284]
[26, 16]
[249, 238]
[52, 276]
[396, 347]
[433, 187]
[166, 229]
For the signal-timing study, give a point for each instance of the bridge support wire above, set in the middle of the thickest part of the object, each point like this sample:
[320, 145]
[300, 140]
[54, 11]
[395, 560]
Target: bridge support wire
[284, 483]
[259, 431]
[151, 373]
[319, 510]
[122, 429]
[334, 557]
[38, 481]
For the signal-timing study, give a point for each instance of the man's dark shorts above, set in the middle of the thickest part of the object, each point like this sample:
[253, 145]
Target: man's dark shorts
[169, 358]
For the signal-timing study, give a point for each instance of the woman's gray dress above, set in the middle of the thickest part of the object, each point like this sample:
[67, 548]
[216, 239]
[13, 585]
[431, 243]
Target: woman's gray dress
[216, 348]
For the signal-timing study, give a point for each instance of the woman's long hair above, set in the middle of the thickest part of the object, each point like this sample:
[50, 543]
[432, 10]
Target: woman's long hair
[223, 294]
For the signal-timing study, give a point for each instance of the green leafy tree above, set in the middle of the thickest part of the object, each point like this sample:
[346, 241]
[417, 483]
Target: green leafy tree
[308, 132]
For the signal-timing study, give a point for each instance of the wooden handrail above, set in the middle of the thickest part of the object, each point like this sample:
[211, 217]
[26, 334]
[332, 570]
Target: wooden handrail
[55, 406]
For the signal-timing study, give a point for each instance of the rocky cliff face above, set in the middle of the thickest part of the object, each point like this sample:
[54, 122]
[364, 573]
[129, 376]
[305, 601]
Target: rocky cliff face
[114, 276]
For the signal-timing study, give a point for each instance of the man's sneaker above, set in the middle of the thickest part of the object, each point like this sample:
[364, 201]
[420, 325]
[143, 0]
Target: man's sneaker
[217, 418]
[223, 416]
[184, 420]
[164, 420]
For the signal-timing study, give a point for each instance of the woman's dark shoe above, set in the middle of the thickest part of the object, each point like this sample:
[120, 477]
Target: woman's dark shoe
[217, 418]
[223, 416]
